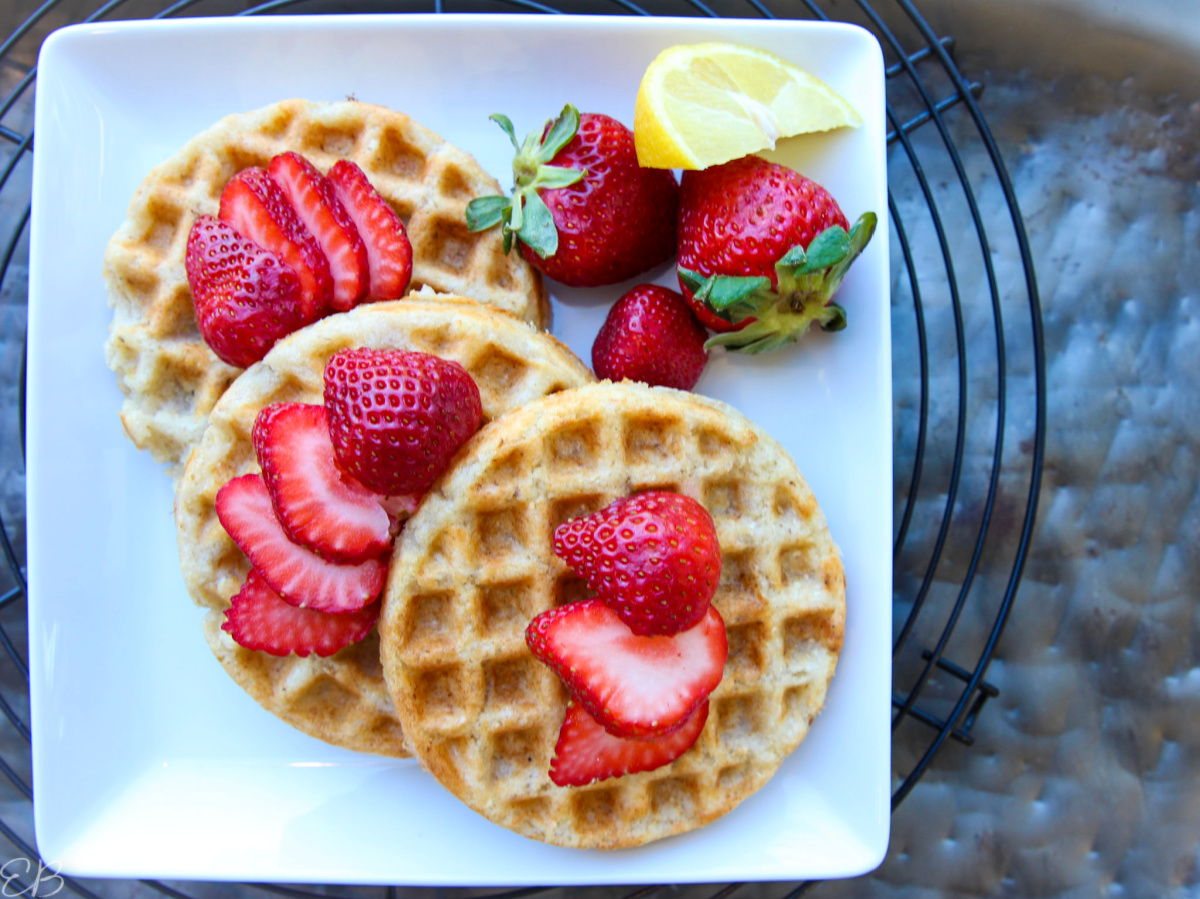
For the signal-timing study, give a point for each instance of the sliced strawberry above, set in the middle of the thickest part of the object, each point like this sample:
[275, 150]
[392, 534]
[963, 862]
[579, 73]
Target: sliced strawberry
[586, 752]
[389, 254]
[245, 298]
[636, 687]
[313, 198]
[298, 575]
[318, 506]
[257, 207]
[259, 619]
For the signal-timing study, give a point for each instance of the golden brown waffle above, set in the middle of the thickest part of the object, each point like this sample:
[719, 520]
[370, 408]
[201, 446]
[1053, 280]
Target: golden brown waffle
[475, 565]
[341, 699]
[169, 376]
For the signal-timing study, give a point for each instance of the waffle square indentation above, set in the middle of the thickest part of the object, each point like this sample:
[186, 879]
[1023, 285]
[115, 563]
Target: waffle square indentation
[500, 370]
[339, 142]
[723, 498]
[792, 511]
[440, 692]
[446, 244]
[716, 450]
[654, 442]
[398, 156]
[798, 561]
[739, 592]
[515, 754]
[809, 633]
[164, 226]
[570, 588]
[575, 507]
[676, 797]
[799, 702]
[507, 469]
[499, 534]
[511, 682]
[429, 622]
[506, 608]
[746, 651]
[574, 447]
[596, 810]
[452, 184]
[739, 720]
[732, 778]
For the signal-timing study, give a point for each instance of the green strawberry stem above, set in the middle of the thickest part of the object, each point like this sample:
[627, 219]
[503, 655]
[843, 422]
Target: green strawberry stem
[807, 280]
[526, 216]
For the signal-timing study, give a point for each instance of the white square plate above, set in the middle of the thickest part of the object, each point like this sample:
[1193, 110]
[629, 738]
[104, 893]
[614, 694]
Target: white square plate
[148, 760]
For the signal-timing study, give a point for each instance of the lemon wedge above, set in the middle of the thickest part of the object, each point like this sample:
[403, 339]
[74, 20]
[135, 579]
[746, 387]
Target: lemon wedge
[703, 104]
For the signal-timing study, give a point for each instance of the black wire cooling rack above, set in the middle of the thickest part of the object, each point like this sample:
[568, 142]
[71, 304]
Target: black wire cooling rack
[968, 374]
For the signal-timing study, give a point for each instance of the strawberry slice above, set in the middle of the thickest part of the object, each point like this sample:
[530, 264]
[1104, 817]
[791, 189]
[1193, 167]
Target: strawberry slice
[389, 254]
[318, 506]
[258, 209]
[586, 752]
[298, 575]
[318, 207]
[245, 298]
[259, 619]
[635, 687]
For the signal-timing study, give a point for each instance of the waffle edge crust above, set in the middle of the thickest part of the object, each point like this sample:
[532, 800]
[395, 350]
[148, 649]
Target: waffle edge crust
[169, 377]
[475, 565]
[341, 699]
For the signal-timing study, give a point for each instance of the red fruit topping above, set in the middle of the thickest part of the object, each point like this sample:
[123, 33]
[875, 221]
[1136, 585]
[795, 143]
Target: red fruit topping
[777, 241]
[317, 205]
[245, 298]
[635, 687]
[258, 209]
[586, 752]
[298, 575]
[389, 254]
[589, 214]
[652, 557]
[396, 418]
[651, 335]
[318, 506]
[259, 619]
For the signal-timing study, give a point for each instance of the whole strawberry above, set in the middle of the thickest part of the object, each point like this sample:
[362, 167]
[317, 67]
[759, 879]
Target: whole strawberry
[652, 557]
[245, 297]
[396, 418]
[583, 211]
[650, 335]
[762, 250]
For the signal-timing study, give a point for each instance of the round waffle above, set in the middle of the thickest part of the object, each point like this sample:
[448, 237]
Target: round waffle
[475, 564]
[169, 376]
[341, 699]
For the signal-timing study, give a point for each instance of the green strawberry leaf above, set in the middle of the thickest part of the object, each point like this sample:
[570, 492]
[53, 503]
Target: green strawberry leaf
[560, 134]
[553, 176]
[694, 281]
[727, 292]
[832, 318]
[537, 230]
[506, 123]
[861, 233]
[736, 340]
[508, 239]
[486, 212]
[516, 218]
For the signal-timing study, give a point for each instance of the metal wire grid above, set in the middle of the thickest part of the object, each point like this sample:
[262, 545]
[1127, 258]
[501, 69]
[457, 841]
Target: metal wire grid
[962, 528]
